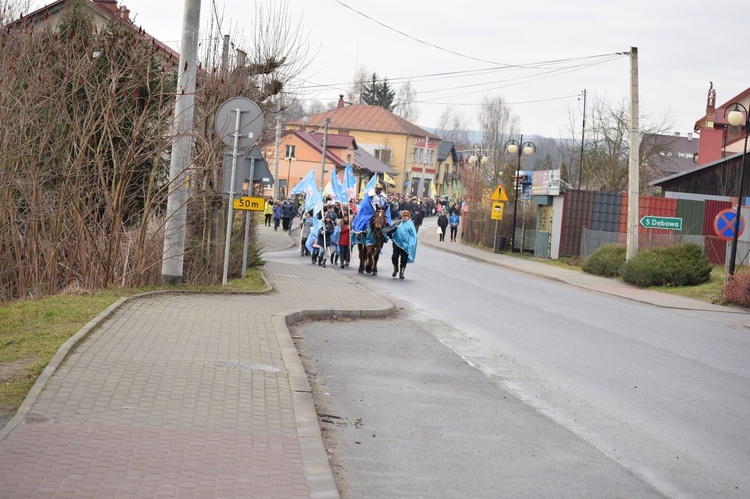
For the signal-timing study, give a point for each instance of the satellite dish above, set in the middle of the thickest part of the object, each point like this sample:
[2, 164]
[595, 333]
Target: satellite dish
[251, 122]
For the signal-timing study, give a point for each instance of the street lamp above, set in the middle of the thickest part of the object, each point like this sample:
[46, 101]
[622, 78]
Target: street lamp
[290, 150]
[475, 160]
[519, 148]
[737, 118]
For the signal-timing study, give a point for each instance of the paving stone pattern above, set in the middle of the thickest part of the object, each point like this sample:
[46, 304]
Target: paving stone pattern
[184, 396]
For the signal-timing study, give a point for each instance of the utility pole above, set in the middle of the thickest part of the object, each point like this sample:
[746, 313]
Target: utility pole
[583, 136]
[420, 194]
[633, 177]
[323, 161]
[225, 56]
[276, 161]
[173, 257]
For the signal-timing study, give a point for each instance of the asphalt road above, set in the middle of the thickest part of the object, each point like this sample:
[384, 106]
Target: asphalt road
[405, 416]
[494, 383]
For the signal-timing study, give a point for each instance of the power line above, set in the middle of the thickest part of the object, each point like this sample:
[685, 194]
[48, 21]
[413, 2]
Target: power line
[504, 65]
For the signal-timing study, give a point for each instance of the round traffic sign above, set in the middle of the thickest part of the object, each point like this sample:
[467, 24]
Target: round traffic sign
[724, 224]
[251, 122]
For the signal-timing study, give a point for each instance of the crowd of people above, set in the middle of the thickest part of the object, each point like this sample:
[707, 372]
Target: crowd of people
[335, 240]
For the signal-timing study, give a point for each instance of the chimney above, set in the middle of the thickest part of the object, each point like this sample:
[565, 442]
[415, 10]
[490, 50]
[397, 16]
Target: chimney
[110, 5]
[690, 136]
[711, 107]
[241, 58]
[123, 13]
[341, 102]
[677, 134]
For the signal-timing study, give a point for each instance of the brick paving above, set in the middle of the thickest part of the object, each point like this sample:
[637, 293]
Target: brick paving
[184, 395]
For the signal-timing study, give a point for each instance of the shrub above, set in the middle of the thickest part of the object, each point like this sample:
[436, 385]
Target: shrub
[679, 265]
[737, 289]
[605, 261]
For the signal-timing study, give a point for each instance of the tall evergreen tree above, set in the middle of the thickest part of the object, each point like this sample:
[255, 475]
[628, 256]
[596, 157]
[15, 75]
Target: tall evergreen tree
[378, 92]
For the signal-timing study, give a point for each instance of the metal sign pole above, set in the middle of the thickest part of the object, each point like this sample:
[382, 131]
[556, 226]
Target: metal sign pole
[231, 195]
[247, 220]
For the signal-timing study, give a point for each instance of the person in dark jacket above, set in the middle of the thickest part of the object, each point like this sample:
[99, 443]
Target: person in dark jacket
[276, 215]
[418, 214]
[288, 212]
[442, 222]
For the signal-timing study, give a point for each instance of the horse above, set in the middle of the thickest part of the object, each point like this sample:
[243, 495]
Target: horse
[369, 248]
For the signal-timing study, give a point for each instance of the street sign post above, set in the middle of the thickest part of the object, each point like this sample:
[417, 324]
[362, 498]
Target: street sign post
[670, 223]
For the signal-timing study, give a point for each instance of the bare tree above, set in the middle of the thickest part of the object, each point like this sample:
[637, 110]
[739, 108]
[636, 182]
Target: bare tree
[453, 127]
[10, 10]
[85, 135]
[498, 126]
[260, 69]
[361, 76]
[607, 149]
[406, 105]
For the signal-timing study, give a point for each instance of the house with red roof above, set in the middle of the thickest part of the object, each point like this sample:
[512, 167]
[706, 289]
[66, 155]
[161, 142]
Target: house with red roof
[102, 13]
[719, 139]
[300, 151]
[409, 150]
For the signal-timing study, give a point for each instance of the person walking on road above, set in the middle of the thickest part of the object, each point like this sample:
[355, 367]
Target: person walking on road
[454, 220]
[288, 212]
[418, 216]
[268, 212]
[404, 245]
[344, 241]
[276, 215]
[442, 222]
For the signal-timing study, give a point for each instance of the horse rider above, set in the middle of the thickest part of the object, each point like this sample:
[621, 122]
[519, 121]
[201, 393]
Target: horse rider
[375, 200]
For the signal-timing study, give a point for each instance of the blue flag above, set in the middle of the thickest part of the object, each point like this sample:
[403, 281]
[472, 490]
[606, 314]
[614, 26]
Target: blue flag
[317, 225]
[370, 186]
[350, 182]
[307, 185]
[339, 193]
[314, 203]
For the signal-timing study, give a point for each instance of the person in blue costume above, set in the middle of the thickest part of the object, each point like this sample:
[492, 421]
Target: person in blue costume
[404, 245]
[373, 200]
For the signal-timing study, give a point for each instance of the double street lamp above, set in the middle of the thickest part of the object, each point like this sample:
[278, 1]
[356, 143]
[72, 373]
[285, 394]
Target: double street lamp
[477, 160]
[520, 148]
[737, 117]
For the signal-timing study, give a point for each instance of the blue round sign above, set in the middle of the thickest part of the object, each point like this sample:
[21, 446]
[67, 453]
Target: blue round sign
[724, 224]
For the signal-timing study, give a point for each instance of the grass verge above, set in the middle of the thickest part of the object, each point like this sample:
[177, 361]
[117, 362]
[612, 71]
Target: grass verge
[32, 331]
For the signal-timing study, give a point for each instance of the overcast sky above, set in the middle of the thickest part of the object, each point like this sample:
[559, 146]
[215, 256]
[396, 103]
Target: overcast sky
[506, 49]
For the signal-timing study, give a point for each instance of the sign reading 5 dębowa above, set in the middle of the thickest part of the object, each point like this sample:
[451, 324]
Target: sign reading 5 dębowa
[670, 223]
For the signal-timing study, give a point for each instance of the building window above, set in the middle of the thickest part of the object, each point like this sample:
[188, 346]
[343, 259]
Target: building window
[418, 155]
[383, 155]
[290, 150]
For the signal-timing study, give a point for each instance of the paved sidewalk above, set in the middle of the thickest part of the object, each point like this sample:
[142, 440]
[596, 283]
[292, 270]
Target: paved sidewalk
[184, 395]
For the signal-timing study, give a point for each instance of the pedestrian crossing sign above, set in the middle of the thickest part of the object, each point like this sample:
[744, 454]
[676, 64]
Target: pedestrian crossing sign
[499, 194]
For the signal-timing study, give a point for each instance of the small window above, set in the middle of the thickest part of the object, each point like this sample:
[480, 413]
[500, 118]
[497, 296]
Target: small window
[383, 155]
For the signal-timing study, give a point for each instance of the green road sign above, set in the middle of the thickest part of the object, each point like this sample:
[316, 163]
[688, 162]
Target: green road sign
[661, 223]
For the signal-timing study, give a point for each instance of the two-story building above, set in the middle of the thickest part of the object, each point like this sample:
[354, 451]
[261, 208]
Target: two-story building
[409, 150]
[301, 151]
